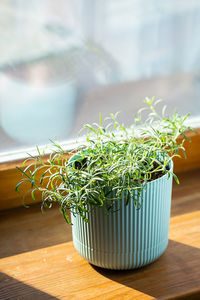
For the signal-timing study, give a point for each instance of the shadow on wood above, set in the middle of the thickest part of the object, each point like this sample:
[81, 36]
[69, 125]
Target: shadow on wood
[11, 288]
[26, 229]
[180, 264]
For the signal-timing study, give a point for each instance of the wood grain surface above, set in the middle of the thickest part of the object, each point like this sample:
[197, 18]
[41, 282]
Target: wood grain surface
[38, 260]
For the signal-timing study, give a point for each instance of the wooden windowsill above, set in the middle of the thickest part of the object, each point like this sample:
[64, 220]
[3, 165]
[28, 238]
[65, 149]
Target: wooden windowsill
[38, 260]
[10, 176]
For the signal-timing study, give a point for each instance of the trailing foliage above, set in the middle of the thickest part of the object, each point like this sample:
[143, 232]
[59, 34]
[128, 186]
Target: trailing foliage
[112, 159]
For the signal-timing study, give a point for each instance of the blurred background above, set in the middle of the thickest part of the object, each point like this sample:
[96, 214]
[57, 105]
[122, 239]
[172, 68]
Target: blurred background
[63, 62]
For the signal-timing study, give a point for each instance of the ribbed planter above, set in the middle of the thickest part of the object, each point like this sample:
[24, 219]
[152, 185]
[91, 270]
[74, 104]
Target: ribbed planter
[129, 237]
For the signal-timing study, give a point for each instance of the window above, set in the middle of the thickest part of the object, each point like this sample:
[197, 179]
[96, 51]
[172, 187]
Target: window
[62, 62]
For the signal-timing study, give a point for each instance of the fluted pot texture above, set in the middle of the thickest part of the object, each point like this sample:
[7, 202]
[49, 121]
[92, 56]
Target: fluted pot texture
[129, 237]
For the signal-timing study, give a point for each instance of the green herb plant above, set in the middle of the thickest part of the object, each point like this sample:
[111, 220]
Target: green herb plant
[113, 160]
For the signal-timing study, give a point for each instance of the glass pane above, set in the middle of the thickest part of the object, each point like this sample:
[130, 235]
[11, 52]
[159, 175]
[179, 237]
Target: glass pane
[63, 62]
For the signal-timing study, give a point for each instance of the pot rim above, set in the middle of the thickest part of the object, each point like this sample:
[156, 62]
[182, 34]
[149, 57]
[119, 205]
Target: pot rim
[163, 176]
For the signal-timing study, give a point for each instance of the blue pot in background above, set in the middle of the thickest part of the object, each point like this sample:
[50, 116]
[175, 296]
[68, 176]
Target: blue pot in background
[32, 114]
[129, 237]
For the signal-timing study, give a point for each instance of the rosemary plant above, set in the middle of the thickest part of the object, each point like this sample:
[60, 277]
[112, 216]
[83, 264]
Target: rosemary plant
[113, 160]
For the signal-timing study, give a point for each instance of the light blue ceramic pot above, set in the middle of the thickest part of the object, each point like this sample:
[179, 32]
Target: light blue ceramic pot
[128, 238]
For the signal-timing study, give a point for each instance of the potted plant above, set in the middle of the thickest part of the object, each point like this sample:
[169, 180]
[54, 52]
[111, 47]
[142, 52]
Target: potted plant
[116, 186]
